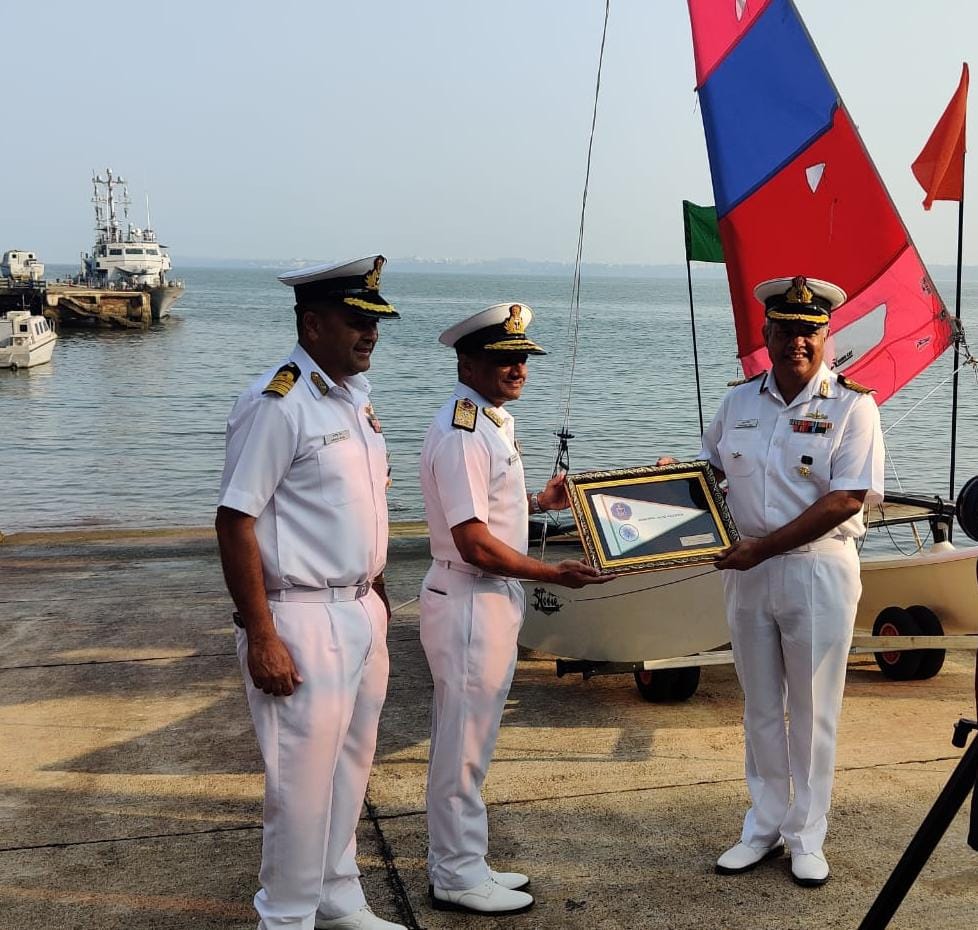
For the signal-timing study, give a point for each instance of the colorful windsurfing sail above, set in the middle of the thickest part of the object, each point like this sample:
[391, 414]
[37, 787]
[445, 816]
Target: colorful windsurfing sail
[797, 193]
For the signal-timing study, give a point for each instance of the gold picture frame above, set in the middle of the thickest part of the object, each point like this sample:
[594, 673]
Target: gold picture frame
[650, 518]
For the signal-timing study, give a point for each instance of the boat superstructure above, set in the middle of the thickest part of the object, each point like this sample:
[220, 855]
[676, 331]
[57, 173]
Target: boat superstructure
[21, 267]
[25, 340]
[126, 256]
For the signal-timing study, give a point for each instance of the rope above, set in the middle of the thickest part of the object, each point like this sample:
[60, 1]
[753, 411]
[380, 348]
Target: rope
[575, 316]
[969, 361]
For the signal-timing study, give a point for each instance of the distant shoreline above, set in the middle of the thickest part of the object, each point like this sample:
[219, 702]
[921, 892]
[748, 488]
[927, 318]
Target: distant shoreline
[502, 267]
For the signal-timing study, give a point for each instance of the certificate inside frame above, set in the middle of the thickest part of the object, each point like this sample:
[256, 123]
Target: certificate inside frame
[652, 517]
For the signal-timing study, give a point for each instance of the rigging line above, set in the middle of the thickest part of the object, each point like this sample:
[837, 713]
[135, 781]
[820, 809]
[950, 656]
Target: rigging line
[654, 587]
[575, 317]
[969, 361]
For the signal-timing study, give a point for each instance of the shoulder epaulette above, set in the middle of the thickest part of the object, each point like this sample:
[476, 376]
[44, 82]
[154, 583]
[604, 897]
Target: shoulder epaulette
[741, 381]
[495, 417]
[854, 386]
[284, 380]
[465, 414]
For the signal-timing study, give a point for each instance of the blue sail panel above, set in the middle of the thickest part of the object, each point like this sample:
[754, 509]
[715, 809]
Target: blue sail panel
[763, 104]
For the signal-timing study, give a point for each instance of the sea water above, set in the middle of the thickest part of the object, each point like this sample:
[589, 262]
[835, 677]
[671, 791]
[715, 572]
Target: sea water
[126, 428]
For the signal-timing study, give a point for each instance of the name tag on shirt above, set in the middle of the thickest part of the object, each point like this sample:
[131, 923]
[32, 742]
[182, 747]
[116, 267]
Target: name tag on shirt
[515, 457]
[338, 436]
[746, 424]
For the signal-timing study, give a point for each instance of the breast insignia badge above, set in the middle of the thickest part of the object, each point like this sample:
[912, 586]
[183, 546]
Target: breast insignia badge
[465, 414]
[320, 382]
[284, 380]
[494, 415]
[372, 418]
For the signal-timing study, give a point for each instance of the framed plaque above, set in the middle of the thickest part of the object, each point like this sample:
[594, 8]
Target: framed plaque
[649, 518]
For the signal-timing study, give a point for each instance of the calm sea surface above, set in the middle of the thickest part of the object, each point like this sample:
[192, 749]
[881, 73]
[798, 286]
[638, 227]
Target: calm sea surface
[127, 428]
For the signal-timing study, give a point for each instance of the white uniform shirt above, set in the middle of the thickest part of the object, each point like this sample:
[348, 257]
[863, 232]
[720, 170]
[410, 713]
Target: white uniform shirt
[479, 474]
[313, 471]
[780, 458]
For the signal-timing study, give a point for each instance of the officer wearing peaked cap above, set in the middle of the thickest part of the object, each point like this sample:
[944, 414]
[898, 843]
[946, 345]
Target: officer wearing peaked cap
[802, 452]
[471, 603]
[302, 528]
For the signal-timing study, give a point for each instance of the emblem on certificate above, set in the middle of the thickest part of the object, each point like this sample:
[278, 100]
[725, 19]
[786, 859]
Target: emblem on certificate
[654, 517]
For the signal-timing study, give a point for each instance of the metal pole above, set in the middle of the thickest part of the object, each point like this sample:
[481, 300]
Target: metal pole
[925, 840]
[957, 327]
[696, 361]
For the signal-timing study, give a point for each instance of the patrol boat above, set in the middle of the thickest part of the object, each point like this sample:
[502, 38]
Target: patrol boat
[26, 340]
[134, 259]
[813, 178]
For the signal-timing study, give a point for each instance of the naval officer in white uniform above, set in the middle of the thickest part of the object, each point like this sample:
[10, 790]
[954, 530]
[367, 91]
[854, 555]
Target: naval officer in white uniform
[471, 603]
[802, 452]
[302, 528]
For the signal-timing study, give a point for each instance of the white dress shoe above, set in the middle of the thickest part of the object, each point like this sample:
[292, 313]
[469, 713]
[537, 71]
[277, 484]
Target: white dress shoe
[742, 858]
[487, 898]
[364, 919]
[809, 869]
[514, 881]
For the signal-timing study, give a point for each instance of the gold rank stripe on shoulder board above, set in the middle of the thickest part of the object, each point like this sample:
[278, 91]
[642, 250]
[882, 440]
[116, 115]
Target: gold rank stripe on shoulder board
[855, 386]
[494, 416]
[284, 380]
[465, 414]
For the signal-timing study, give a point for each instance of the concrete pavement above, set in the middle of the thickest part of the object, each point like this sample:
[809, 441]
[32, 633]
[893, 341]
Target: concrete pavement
[130, 782]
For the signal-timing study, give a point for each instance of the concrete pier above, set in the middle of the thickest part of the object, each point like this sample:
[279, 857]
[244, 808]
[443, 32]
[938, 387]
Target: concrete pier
[130, 782]
[74, 305]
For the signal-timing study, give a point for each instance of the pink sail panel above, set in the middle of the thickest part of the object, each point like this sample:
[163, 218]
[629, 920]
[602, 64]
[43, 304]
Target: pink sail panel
[810, 219]
[892, 330]
[717, 25]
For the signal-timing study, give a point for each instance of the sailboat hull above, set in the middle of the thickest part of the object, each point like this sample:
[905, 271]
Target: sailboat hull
[679, 612]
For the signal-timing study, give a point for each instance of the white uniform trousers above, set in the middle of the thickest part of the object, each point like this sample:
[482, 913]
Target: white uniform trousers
[469, 625]
[318, 745]
[791, 621]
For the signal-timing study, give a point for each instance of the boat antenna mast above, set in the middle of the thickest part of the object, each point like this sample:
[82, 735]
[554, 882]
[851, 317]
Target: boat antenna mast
[106, 220]
[564, 435]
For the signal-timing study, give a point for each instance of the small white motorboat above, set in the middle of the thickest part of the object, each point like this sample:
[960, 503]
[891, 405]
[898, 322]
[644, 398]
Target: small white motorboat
[25, 340]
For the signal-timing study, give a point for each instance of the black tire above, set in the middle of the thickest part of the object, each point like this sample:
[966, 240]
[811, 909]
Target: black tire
[931, 660]
[900, 666]
[668, 684]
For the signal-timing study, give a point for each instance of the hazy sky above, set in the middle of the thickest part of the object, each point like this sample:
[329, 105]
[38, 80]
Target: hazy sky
[433, 128]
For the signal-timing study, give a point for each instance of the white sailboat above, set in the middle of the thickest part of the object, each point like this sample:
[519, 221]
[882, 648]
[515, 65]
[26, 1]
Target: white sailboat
[815, 176]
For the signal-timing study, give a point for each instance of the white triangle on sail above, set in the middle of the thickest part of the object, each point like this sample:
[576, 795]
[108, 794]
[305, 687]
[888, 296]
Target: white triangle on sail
[852, 342]
[739, 7]
[627, 523]
[814, 174]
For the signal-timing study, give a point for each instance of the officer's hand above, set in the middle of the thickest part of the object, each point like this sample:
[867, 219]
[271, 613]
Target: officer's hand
[743, 554]
[271, 667]
[574, 574]
[554, 495]
[666, 460]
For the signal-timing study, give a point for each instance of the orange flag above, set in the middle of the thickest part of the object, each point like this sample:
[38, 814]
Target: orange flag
[940, 166]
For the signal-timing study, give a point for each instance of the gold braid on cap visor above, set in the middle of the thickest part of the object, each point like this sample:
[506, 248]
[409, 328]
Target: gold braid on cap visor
[512, 345]
[820, 320]
[367, 305]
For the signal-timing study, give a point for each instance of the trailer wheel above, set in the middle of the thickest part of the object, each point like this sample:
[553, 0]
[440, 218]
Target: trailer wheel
[668, 684]
[931, 660]
[900, 666]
